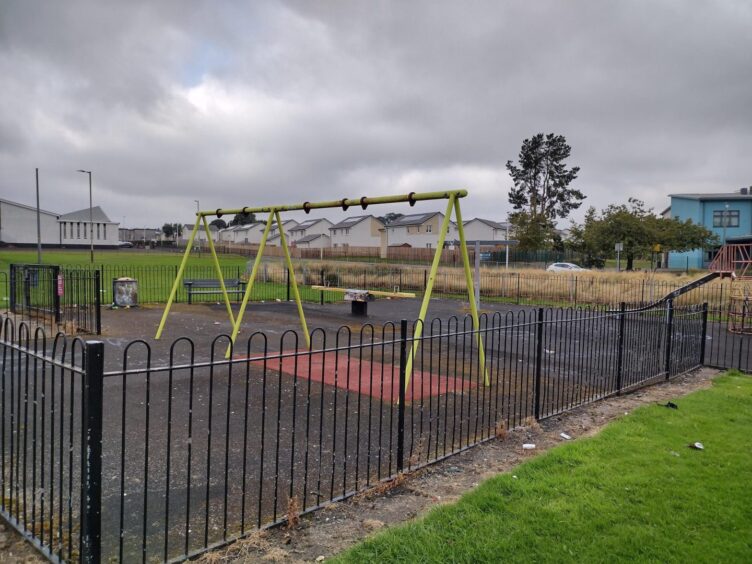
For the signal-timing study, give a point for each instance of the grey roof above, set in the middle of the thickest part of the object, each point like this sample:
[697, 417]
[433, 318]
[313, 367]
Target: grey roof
[308, 223]
[714, 196]
[354, 220]
[309, 238]
[189, 227]
[490, 223]
[83, 215]
[32, 208]
[414, 219]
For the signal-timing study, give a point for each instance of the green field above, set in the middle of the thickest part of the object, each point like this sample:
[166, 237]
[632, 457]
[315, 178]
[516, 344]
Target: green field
[635, 492]
[114, 257]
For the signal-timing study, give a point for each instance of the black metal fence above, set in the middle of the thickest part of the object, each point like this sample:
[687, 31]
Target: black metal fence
[53, 297]
[199, 448]
[496, 285]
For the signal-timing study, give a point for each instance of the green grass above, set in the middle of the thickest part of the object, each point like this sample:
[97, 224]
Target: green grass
[114, 257]
[635, 492]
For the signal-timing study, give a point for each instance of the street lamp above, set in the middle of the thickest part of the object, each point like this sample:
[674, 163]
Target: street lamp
[91, 215]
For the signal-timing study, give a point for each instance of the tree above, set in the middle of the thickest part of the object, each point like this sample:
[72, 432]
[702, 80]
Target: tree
[390, 217]
[638, 229]
[172, 230]
[219, 223]
[541, 192]
[243, 219]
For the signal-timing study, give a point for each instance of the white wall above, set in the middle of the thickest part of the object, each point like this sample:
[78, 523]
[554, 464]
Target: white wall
[18, 225]
[363, 234]
[477, 230]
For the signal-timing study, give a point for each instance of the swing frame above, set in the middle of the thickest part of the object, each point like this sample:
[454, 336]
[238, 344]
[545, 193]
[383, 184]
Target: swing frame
[453, 204]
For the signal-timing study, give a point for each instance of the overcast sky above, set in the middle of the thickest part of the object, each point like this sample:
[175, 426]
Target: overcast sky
[252, 103]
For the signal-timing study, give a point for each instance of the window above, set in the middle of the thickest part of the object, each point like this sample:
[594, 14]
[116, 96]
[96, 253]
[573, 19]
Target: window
[428, 228]
[428, 245]
[347, 231]
[78, 230]
[726, 218]
[104, 231]
[98, 224]
[65, 230]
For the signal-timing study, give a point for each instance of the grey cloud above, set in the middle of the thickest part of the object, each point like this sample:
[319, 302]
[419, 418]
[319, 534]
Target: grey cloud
[319, 99]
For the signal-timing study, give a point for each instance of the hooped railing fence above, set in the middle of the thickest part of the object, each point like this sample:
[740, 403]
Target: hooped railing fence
[126, 457]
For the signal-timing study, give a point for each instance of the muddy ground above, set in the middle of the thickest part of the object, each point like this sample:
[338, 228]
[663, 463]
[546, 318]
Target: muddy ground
[341, 525]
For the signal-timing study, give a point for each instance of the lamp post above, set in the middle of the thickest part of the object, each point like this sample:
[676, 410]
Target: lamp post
[91, 216]
[725, 222]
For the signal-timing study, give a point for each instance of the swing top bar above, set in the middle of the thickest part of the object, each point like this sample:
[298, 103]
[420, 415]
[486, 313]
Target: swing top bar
[344, 203]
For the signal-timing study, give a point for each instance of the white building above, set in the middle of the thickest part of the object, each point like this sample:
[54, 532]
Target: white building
[485, 230]
[357, 231]
[18, 225]
[274, 239]
[200, 235]
[418, 230]
[314, 241]
[310, 227]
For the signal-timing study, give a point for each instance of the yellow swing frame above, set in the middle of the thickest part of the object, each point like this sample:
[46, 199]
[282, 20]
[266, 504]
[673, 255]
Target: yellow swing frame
[453, 197]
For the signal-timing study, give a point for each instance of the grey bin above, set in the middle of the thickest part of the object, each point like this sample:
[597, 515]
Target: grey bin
[125, 292]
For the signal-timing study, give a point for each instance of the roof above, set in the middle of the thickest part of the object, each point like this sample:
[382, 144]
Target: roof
[490, 223]
[190, 226]
[354, 220]
[83, 215]
[32, 208]
[714, 196]
[309, 238]
[413, 219]
[308, 223]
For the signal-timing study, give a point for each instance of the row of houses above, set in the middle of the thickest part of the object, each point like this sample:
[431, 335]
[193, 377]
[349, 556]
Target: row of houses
[415, 230]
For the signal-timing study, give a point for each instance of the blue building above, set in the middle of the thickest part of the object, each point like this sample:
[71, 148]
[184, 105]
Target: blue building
[728, 215]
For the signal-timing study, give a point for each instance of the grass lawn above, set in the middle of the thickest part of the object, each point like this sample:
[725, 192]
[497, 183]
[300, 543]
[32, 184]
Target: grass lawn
[634, 492]
[112, 257]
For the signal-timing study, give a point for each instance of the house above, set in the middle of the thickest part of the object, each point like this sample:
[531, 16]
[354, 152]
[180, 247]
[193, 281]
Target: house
[18, 225]
[357, 231]
[308, 228]
[728, 215]
[417, 230]
[274, 240]
[229, 234]
[314, 241]
[144, 235]
[200, 235]
[479, 229]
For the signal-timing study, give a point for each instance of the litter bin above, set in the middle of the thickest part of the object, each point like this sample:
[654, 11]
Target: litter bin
[124, 292]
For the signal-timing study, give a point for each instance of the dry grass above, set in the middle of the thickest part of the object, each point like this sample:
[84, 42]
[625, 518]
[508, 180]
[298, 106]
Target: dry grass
[293, 512]
[501, 430]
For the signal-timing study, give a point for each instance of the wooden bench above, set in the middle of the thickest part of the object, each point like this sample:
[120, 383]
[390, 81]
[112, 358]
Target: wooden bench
[359, 298]
[211, 286]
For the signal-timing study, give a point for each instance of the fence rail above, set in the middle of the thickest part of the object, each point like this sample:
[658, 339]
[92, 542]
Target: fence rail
[197, 450]
[496, 285]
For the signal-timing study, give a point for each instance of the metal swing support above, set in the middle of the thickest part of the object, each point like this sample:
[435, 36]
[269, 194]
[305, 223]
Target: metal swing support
[273, 212]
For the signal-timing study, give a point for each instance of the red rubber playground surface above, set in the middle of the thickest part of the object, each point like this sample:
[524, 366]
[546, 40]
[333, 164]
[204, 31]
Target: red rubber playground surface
[361, 376]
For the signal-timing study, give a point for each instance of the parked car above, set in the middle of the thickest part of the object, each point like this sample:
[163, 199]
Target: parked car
[125, 245]
[564, 267]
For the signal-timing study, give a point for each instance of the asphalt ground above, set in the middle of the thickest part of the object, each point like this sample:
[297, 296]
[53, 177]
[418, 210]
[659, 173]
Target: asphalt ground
[196, 450]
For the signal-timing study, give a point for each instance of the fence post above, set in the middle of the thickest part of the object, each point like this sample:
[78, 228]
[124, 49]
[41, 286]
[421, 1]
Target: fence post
[704, 332]
[322, 283]
[518, 288]
[401, 405]
[56, 295]
[620, 352]
[425, 280]
[288, 284]
[91, 450]
[538, 361]
[575, 291]
[669, 334]
[98, 300]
